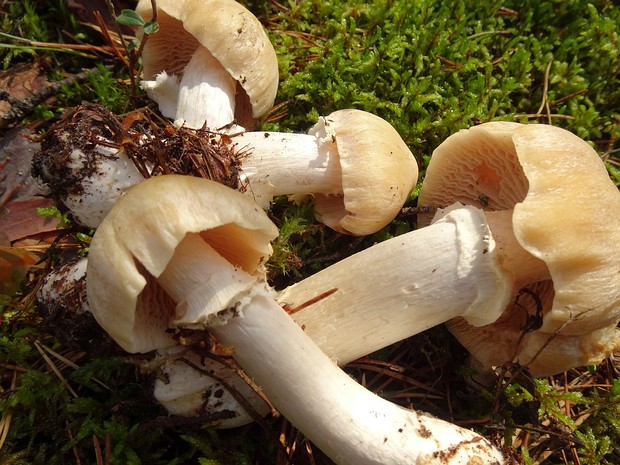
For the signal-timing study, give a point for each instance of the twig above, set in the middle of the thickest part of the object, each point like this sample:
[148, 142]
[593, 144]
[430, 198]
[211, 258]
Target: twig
[549, 116]
[52, 45]
[55, 369]
[20, 109]
[545, 101]
[76, 455]
[98, 454]
[133, 55]
[5, 423]
[73, 365]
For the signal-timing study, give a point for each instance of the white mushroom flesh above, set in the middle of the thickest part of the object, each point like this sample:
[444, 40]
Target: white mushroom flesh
[206, 93]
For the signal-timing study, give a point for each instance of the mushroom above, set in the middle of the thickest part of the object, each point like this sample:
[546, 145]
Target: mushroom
[193, 259]
[551, 191]
[64, 311]
[189, 385]
[353, 163]
[558, 255]
[82, 162]
[210, 62]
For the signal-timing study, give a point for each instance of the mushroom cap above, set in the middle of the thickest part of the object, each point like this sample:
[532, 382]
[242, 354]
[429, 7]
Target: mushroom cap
[378, 172]
[565, 213]
[136, 240]
[233, 35]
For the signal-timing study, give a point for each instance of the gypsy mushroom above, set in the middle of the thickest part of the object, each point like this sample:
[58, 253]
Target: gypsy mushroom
[132, 309]
[552, 191]
[354, 164]
[210, 62]
[551, 208]
[195, 258]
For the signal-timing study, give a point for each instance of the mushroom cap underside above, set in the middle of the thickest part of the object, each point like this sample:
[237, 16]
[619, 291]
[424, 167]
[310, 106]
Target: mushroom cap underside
[231, 33]
[137, 239]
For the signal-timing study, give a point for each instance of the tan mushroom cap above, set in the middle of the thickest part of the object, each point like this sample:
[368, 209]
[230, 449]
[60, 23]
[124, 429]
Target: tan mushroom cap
[133, 245]
[565, 213]
[233, 35]
[378, 173]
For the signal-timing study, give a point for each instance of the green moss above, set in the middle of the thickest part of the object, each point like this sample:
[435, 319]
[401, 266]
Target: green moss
[431, 68]
[24, 33]
[600, 433]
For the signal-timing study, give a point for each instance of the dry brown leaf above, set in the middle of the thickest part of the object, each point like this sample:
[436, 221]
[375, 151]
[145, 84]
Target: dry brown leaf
[19, 220]
[14, 264]
[21, 81]
[16, 152]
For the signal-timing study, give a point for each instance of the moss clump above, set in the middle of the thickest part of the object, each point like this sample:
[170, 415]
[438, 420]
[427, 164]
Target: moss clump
[431, 68]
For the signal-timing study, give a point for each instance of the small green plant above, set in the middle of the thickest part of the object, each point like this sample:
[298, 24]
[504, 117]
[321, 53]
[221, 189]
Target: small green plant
[134, 47]
[53, 212]
[31, 26]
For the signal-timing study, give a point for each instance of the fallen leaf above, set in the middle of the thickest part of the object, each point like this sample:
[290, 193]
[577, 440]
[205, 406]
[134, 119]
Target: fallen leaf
[19, 220]
[14, 265]
[21, 81]
[16, 152]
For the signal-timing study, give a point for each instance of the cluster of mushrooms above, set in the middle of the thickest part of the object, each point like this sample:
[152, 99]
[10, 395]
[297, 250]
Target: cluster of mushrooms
[521, 259]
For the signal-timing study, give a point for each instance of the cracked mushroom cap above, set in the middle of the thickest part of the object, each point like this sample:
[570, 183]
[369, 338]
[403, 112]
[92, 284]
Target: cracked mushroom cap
[563, 208]
[233, 35]
[378, 172]
[133, 245]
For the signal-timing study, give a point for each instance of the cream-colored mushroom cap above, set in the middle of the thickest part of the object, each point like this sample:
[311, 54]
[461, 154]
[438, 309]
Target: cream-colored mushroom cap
[555, 193]
[233, 35]
[378, 173]
[133, 245]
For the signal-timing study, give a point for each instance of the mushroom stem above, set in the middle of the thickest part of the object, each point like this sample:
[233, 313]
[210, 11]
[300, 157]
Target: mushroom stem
[206, 93]
[202, 282]
[82, 163]
[283, 164]
[405, 285]
[346, 421]
[354, 164]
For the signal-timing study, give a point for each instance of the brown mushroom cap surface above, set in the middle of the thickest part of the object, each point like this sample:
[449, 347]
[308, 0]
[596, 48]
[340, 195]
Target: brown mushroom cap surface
[134, 314]
[378, 173]
[565, 213]
[232, 34]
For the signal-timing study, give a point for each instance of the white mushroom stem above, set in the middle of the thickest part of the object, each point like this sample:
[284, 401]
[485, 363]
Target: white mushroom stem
[283, 164]
[194, 389]
[100, 178]
[455, 267]
[164, 90]
[66, 287]
[272, 164]
[346, 421]
[109, 177]
[206, 93]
